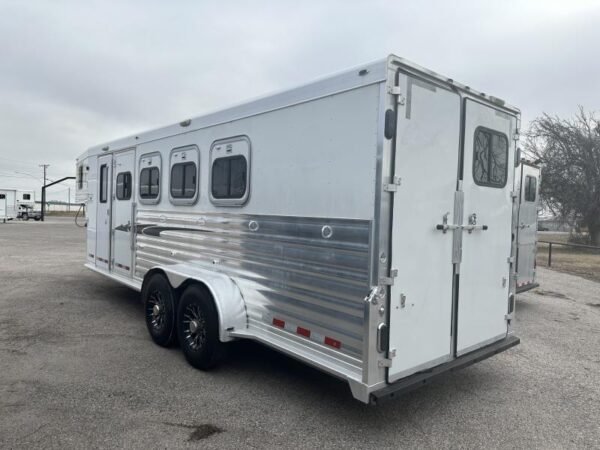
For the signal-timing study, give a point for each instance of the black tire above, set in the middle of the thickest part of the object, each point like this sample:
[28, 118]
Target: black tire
[37, 218]
[25, 216]
[198, 328]
[160, 309]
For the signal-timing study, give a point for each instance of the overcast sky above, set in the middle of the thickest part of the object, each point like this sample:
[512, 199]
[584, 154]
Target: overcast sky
[75, 74]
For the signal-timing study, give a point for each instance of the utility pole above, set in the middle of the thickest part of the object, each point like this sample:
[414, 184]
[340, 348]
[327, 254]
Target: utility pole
[69, 201]
[45, 166]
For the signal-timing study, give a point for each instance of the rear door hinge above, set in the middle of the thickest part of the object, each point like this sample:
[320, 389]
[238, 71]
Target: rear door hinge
[509, 317]
[387, 362]
[395, 90]
[514, 194]
[393, 186]
[389, 280]
[516, 135]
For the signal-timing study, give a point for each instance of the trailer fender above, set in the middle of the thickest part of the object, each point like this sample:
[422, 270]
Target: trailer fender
[228, 299]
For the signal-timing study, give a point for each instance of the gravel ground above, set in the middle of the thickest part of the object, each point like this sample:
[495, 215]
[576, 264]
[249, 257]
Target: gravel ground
[78, 370]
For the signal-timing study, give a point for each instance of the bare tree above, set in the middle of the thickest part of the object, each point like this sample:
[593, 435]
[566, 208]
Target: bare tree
[569, 150]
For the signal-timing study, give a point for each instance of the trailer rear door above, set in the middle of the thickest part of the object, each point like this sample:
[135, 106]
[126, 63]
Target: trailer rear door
[488, 182]
[527, 224]
[426, 160]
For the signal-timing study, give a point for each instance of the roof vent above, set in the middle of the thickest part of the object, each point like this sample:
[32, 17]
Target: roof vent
[185, 123]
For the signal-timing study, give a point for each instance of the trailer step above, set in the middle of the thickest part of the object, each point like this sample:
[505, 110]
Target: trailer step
[419, 379]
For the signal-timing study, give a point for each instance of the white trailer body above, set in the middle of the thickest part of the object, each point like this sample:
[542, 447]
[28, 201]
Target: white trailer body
[362, 223]
[528, 187]
[26, 198]
[8, 204]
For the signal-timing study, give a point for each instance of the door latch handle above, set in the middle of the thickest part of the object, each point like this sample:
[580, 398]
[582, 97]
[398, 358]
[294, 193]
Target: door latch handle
[473, 224]
[443, 227]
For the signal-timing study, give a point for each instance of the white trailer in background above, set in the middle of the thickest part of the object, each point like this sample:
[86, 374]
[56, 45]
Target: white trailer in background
[528, 187]
[8, 204]
[363, 223]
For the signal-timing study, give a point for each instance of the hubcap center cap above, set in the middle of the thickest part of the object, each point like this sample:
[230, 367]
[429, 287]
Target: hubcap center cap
[156, 310]
[193, 326]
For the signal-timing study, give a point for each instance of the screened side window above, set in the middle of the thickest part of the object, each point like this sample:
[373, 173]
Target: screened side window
[183, 180]
[530, 188]
[229, 177]
[80, 177]
[149, 182]
[103, 183]
[26, 196]
[124, 186]
[2, 196]
[490, 158]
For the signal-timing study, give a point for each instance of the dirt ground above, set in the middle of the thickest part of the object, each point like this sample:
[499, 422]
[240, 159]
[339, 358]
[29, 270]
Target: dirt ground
[576, 261]
[78, 370]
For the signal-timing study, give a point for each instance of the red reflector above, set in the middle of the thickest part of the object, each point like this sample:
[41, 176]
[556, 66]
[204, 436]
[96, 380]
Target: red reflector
[278, 323]
[333, 342]
[303, 332]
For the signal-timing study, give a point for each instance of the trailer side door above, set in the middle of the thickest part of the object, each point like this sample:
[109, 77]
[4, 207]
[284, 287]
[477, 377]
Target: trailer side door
[123, 212]
[426, 161]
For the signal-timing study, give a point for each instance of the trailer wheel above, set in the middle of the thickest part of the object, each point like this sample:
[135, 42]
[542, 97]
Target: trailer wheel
[159, 309]
[25, 216]
[198, 328]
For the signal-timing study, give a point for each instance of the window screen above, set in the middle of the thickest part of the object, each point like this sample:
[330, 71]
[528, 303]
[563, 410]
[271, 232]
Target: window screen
[530, 188]
[2, 196]
[103, 183]
[26, 196]
[124, 186]
[229, 177]
[149, 182]
[490, 158]
[183, 180]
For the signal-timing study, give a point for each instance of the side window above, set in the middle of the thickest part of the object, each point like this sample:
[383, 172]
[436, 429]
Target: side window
[80, 176]
[2, 196]
[26, 196]
[530, 188]
[229, 177]
[490, 158]
[183, 180]
[103, 183]
[124, 186]
[230, 171]
[149, 183]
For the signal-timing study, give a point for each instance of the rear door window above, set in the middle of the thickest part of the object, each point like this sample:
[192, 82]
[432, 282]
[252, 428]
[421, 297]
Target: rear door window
[490, 158]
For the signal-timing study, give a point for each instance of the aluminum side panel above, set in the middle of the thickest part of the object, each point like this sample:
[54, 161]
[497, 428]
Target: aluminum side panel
[285, 269]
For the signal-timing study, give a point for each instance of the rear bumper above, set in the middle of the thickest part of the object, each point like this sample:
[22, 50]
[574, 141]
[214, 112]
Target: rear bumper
[526, 287]
[419, 379]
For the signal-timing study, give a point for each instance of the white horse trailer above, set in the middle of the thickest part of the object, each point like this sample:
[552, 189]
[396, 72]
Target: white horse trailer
[363, 223]
[8, 204]
[528, 188]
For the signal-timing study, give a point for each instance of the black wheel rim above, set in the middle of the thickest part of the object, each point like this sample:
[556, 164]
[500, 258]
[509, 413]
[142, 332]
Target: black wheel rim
[194, 327]
[156, 310]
